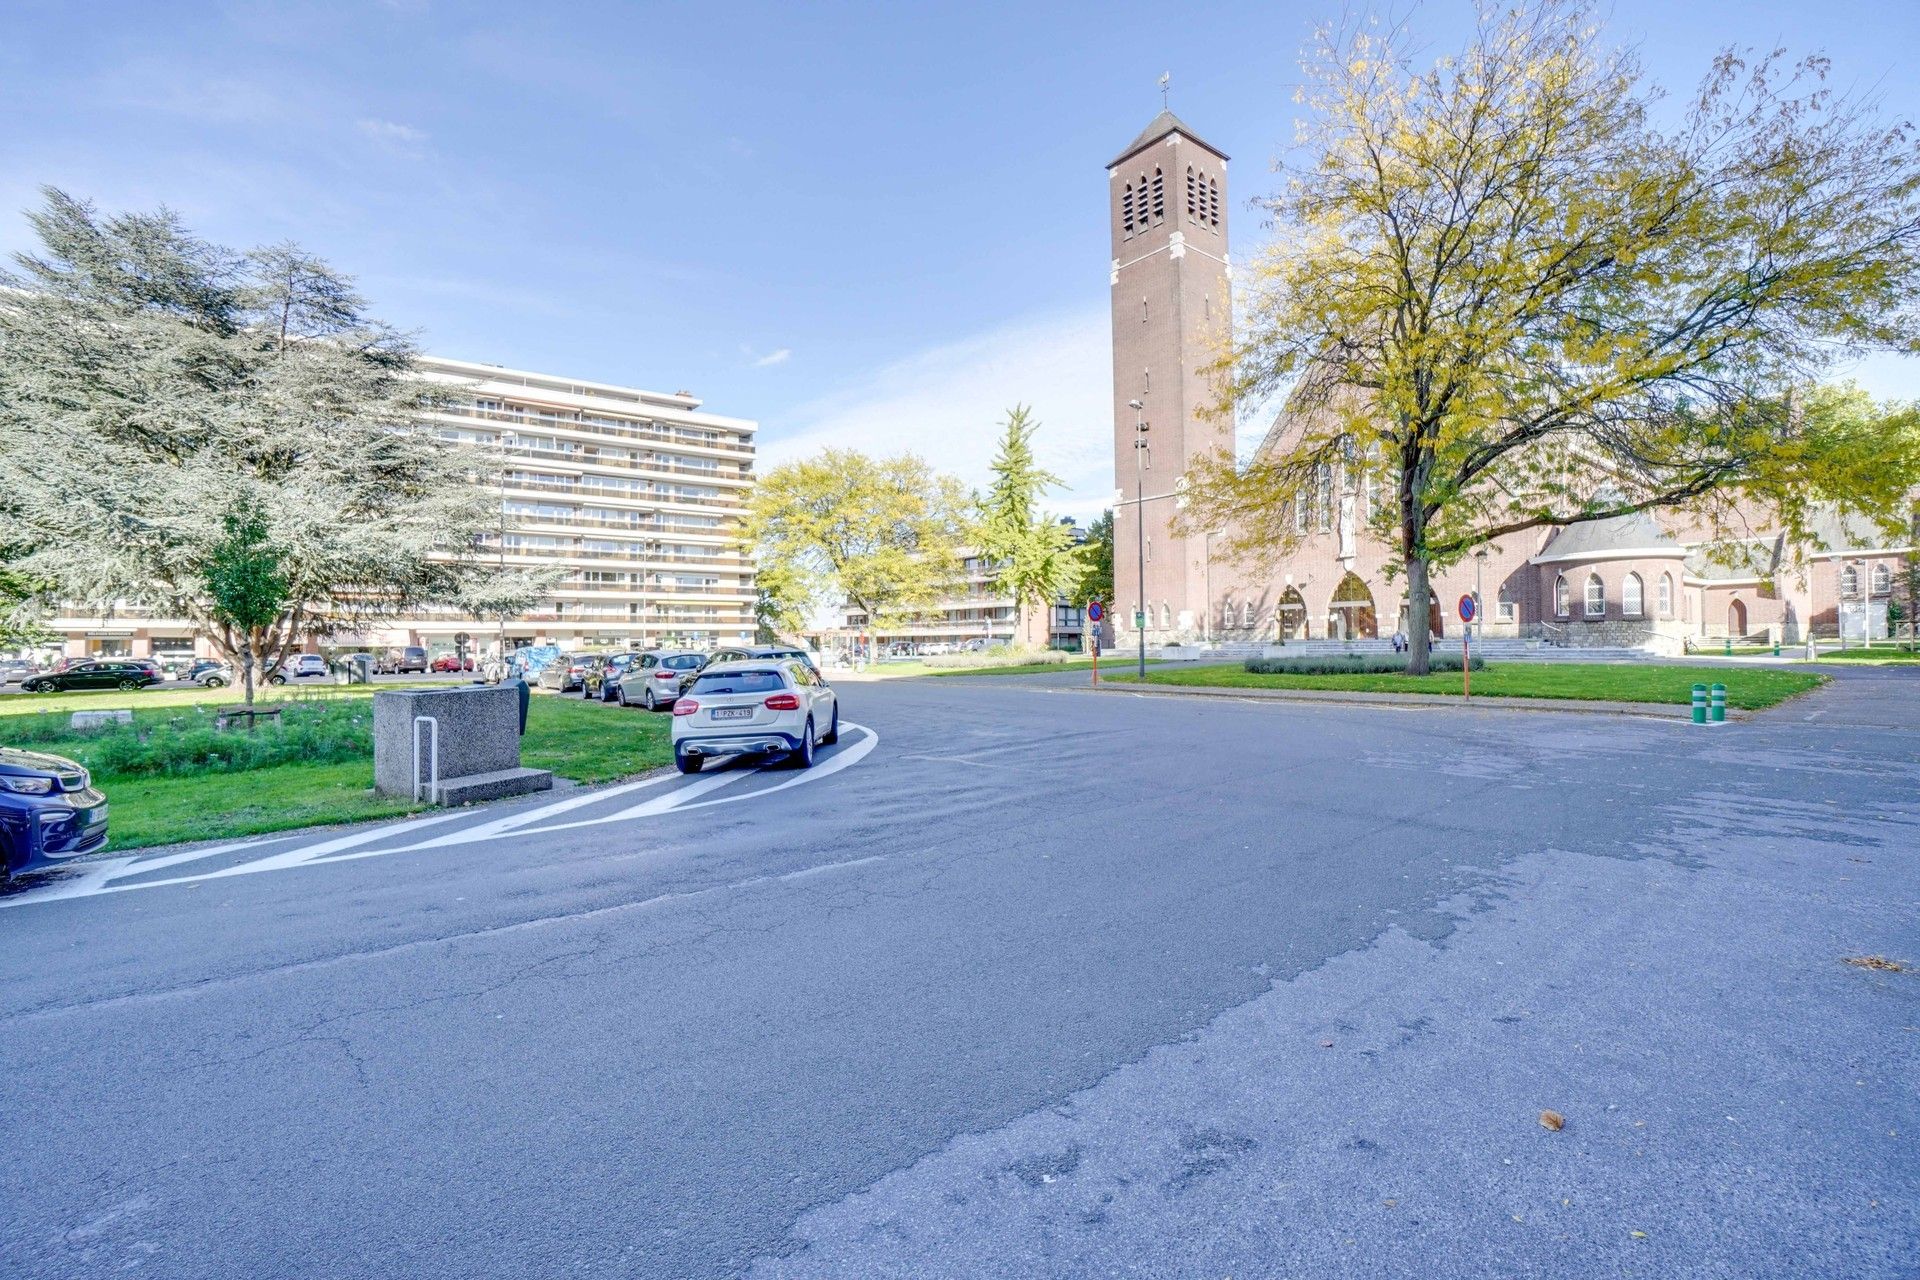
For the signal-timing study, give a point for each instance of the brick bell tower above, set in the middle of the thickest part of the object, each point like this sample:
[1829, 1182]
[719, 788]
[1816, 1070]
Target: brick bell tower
[1172, 313]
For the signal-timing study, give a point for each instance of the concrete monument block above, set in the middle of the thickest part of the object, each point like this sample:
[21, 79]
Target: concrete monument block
[479, 734]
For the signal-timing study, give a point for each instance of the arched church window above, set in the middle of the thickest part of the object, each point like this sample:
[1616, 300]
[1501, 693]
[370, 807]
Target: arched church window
[1166, 617]
[1246, 615]
[1213, 202]
[1226, 612]
[1632, 599]
[1193, 197]
[1126, 210]
[1664, 600]
[1596, 596]
[1562, 597]
[1849, 581]
[1882, 580]
[1159, 196]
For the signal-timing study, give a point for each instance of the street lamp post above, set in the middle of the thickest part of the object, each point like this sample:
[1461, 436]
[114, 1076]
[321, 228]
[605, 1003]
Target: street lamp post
[1479, 600]
[1140, 522]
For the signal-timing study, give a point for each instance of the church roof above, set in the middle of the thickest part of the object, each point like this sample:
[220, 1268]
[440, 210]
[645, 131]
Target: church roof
[1636, 531]
[1163, 124]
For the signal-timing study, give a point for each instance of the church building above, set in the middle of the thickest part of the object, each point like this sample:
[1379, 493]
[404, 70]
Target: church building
[1641, 581]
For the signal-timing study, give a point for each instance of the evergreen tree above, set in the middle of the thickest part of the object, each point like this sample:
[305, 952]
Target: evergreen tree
[1032, 554]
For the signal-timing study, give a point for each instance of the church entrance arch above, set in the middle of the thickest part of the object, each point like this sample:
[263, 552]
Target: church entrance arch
[1351, 615]
[1290, 617]
[1736, 619]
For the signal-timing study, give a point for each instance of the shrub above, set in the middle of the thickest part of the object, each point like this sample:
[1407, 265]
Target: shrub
[1000, 657]
[308, 732]
[1355, 664]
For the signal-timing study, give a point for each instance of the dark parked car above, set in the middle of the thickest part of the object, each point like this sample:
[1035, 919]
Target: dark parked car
[107, 673]
[565, 674]
[653, 680]
[751, 653]
[412, 658]
[603, 682]
[49, 812]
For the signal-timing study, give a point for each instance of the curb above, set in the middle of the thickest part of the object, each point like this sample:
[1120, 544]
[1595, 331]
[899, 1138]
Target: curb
[1675, 711]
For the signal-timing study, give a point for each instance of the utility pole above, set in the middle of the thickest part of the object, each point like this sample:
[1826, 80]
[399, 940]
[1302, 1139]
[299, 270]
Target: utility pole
[1140, 521]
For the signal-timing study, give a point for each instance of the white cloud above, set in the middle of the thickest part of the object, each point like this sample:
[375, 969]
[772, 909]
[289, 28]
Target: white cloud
[947, 403]
[392, 133]
[781, 356]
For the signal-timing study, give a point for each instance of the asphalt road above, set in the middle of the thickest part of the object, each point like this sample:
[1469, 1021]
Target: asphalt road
[1035, 983]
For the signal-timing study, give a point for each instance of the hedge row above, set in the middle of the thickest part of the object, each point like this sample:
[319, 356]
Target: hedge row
[1359, 664]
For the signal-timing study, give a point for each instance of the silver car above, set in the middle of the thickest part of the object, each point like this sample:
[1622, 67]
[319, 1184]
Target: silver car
[757, 707]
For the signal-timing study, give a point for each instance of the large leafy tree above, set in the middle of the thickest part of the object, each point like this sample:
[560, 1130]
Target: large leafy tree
[246, 591]
[152, 383]
[1034, 557]
[881, 534]
[1098, 582]
[1502, 296]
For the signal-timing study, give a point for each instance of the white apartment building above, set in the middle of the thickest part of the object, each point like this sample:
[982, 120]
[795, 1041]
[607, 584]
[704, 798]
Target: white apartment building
[636, 496]
[976, 610]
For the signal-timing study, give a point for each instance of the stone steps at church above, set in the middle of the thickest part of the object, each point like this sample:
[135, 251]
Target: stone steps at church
[1495, 650]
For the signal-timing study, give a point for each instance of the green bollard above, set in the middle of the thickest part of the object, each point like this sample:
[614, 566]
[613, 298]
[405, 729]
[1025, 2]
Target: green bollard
[1719, 703]
[1699, 704]
[1729, 651]
[1776, 648]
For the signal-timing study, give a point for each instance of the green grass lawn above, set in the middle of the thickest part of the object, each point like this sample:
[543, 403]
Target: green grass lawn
[1749, 688]
[584, 741]
[1880, 655]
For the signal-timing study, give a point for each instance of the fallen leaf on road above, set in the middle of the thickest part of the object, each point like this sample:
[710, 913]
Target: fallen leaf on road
[1552, 1120]
[1878, 963]
[1639, 1235]
[1326, 1044]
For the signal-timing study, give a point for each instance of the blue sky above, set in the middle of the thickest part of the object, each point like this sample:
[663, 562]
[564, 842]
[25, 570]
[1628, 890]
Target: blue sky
[867, 224]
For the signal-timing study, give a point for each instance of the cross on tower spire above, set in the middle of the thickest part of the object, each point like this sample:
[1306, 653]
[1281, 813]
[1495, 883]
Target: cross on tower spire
[1166, 78]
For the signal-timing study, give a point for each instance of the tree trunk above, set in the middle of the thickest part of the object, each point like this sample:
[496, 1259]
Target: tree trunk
[246, 669]
[1419, 610]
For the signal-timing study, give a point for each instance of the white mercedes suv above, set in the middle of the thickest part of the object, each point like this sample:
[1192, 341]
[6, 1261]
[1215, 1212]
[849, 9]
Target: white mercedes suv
[757, 707]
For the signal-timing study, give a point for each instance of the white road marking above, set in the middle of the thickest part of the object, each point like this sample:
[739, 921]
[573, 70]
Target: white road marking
[101, 877]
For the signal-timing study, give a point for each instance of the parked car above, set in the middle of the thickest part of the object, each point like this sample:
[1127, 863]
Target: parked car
[653, 680]
[603, 682]
[49, 812]
[108, 673]
[757, 707]
[528, 661]
[409, 659]
[449, 662]
[566, 674]
[754, 653]
[14, 670]
[302, 665]
[208, 674]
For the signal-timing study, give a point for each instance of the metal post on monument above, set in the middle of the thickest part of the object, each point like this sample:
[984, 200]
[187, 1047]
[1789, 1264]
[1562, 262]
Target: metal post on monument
[1140, 521]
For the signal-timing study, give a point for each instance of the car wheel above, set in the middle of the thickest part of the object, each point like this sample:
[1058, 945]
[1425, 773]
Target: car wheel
[833, 731]
[128, 686]
[276, 678]
[646, 700]
[687, 763]
[803, 758]
[215, 682]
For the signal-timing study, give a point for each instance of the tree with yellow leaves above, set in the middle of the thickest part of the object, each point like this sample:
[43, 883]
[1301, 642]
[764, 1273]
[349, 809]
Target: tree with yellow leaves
[1505, 296]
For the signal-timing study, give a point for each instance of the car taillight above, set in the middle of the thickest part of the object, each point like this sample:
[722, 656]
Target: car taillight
[685, 707]
[783, 702]
[664, 675]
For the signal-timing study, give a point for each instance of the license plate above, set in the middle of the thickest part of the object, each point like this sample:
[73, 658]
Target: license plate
[725, 713]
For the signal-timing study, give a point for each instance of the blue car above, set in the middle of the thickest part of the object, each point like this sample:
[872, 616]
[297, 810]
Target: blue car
[49, 812]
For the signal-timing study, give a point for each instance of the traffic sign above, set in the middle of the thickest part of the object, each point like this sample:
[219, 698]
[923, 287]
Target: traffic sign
[1095, 611]
[1466, 608]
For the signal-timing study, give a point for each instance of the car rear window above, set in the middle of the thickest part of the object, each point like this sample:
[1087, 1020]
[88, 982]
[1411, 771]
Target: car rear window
[740, 682]
[686, 662]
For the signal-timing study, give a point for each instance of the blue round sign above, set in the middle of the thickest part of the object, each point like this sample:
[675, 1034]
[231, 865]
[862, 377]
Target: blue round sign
[1095, 611]
[1466, 609]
